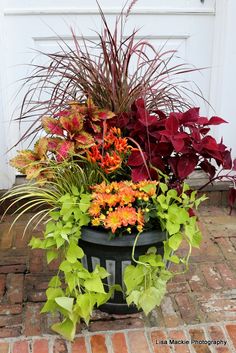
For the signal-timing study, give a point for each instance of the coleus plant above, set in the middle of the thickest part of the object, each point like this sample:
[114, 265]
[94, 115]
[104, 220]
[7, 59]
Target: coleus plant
[174, 144]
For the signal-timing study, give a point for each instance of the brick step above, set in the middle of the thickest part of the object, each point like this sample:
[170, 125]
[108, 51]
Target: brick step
[207, 338]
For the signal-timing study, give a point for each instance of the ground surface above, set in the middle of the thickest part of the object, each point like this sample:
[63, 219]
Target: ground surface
[200, 305]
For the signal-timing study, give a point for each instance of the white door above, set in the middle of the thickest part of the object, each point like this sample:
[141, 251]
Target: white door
[184, 25]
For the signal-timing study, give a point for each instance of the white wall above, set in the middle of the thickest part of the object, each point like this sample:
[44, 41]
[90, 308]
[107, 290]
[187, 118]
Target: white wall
[223, 88]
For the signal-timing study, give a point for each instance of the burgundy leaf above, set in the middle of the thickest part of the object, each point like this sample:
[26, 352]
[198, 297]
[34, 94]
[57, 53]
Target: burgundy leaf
[208, 168]
[190, 115]
[157, 163]
[163, 148]
[139, 174]
[177, 144]
[210, 143]
[166, 133]
[204, 130]
[186, 165]
[197, 146]
[137, 158]
[215, 120]
[173, 162]
[227, 160]
[181, 135]
[160, 114]
[139, 103]
[203, 121]
[145, 118]
[172, 123]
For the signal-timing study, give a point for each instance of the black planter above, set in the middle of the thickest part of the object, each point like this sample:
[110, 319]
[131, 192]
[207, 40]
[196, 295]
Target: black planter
[115, 255]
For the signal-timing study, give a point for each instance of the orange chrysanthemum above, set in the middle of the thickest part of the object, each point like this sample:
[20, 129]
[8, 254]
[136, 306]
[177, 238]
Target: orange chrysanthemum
[128, 215]
[121, 204]
[113, 221]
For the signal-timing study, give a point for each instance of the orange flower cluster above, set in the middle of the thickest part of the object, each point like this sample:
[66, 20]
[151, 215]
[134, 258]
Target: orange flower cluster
[110, 153]
[121, 204]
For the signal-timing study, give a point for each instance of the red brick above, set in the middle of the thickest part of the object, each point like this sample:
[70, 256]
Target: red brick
[2, 285]
[218, 306]
[13, 257]
[181, 287]
[227, 248]
[40, 346]
[15, 288]
[13, 269]
[98, 344]
[170, 316]
[79, 346]
[179, 335]
[157, 337]
[187, 309]
[32, 320]
[232, 333]
[227, 275]
[60, 346]
[21, 240]
[36, 263]
[20, 347]
[4, 347]
[198, 334]
[217, 334]
[6, 236]
[6, 309]
[119, 343]
[212, 277]
[116, 324]
[137, 342]
[196, 283]
[36, 296]
[10, 332]
[10, 320]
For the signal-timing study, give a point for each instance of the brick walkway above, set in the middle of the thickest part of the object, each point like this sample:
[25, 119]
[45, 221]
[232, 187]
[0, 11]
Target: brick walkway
[200, 305]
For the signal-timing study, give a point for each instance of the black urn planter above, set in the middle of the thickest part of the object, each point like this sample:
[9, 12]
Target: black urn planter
[115, 255]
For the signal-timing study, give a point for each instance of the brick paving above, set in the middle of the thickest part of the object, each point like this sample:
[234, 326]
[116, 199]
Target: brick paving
[200, 305]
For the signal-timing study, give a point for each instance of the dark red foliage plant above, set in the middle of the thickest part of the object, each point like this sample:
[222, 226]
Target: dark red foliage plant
[176, 144]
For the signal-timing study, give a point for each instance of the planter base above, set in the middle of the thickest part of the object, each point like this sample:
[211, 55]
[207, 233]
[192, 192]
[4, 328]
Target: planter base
[115, 256]
[119, 308]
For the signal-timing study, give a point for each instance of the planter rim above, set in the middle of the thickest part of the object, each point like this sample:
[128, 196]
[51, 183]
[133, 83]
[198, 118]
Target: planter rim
[99, 237]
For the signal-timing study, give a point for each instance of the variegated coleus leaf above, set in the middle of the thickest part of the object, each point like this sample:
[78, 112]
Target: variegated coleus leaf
[41, 147]
[52, 126]
[84, 140]
[102, 114]
[64, 150]
[23, 159]
[72, 124]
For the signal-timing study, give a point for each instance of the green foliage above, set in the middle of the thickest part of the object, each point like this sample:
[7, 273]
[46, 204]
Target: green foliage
[146, 282]
[76, 291]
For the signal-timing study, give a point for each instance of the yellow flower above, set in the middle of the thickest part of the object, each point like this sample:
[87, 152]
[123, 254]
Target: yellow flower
[140, 228]
[96, 221]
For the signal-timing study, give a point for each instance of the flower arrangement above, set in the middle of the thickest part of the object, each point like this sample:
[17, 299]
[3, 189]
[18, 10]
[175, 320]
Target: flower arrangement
[115, 153]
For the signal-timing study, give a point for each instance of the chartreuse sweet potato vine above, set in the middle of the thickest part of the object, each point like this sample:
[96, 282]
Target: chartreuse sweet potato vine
[74, 292]
[146, 279]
